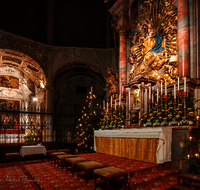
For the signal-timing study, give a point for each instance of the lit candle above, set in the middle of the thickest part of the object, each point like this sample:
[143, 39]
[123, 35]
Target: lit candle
[184, 86]
[149, 94]
[103, 105]
[129, 100]
[157, 97]
[161, 91]
[174, 93]
[120, 101]
[111, 102]
[122, 89]
[188, 156]
[178, 86]
[166, 90]
[115, 106]
[107, 107]
[190, 138]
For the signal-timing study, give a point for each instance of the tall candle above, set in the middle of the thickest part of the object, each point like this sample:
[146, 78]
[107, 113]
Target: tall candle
[184, 86]
[178, 86]
[174, 93]
[103, 105]
[166, 90]
[149, 94]
[157, 97]
[115, 106]
[129, 100]
[91, 88]
[107, 107]
[161, 91]
[111, 102]
[120, 101]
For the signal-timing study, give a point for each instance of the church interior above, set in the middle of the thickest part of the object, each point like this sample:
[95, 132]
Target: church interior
[100, 94]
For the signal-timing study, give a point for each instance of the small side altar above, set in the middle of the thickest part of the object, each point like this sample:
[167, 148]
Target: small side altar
[152, 144]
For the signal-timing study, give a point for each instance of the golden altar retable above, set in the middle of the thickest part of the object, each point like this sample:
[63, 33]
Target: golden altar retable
[143, 144]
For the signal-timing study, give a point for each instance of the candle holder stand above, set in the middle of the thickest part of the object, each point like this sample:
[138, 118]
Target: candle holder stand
[175, 105]
[179, 97]
[150, 109]
[185, 107]
[165, 101]
[161, 100]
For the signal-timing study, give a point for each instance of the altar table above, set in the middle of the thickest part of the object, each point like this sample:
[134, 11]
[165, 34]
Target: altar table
[29, 150]
[143, 144]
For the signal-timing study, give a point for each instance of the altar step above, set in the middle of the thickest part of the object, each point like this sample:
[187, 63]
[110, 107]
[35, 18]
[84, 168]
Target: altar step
[163, 179]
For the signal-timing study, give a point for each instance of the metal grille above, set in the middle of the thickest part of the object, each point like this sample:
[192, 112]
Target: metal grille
[20, 125]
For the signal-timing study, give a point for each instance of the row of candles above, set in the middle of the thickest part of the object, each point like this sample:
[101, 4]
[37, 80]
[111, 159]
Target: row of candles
[150, 95]
[111, 104]
[166, 91]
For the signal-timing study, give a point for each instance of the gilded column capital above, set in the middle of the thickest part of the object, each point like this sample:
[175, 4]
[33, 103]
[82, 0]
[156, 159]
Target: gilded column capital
[122, 29]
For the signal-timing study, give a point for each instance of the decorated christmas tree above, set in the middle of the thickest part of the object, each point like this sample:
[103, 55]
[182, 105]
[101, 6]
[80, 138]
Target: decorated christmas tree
[88, 123]
[32, 135]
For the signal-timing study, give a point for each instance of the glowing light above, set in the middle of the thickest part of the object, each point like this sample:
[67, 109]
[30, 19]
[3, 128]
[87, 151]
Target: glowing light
[42, 84]
[35, 99]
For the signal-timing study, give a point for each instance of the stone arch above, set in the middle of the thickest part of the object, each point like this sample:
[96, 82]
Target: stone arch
[17, 64]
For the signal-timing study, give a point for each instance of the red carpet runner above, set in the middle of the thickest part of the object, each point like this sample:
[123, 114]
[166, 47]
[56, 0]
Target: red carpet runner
[43, 175]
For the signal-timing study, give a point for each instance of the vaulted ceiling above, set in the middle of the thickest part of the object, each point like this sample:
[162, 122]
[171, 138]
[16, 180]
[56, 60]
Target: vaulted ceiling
[76, 23]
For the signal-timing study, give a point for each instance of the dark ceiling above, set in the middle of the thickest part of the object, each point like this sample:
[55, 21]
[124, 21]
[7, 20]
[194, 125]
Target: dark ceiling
[71, 23]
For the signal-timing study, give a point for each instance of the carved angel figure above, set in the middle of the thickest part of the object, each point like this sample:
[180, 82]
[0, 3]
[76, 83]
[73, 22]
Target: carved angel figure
[155, 45]
[113, 82]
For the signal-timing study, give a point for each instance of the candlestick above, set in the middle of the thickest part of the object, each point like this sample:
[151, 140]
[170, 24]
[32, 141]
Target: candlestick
[161, 91]
[174, 93]
[149, 94]
[178, 86]
[120, 101]
[184, 86]
[157, 97]
[129, 98]
[111, 102]
[107, 106]
[166, 90]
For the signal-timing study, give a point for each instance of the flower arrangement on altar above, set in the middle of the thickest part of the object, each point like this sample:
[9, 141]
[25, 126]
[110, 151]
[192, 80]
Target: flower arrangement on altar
[144, 118]
[12, 132]
[113, 119]
[190, 114]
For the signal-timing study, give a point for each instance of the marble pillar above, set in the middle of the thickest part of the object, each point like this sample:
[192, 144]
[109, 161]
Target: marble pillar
[122, 56]
[194, 40]
[191, 38]
[183, 39]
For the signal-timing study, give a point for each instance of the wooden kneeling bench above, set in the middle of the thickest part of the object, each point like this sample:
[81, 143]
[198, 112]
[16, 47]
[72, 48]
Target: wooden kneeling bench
[88, 166]
[109, 173]
[14, 154]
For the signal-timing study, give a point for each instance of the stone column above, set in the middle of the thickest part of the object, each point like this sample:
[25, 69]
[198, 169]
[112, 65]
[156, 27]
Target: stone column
[122, 56]
[183, 39]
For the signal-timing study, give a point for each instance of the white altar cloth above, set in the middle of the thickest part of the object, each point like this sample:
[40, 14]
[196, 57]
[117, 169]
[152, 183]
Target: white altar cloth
[164, 135]
[28, 150]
